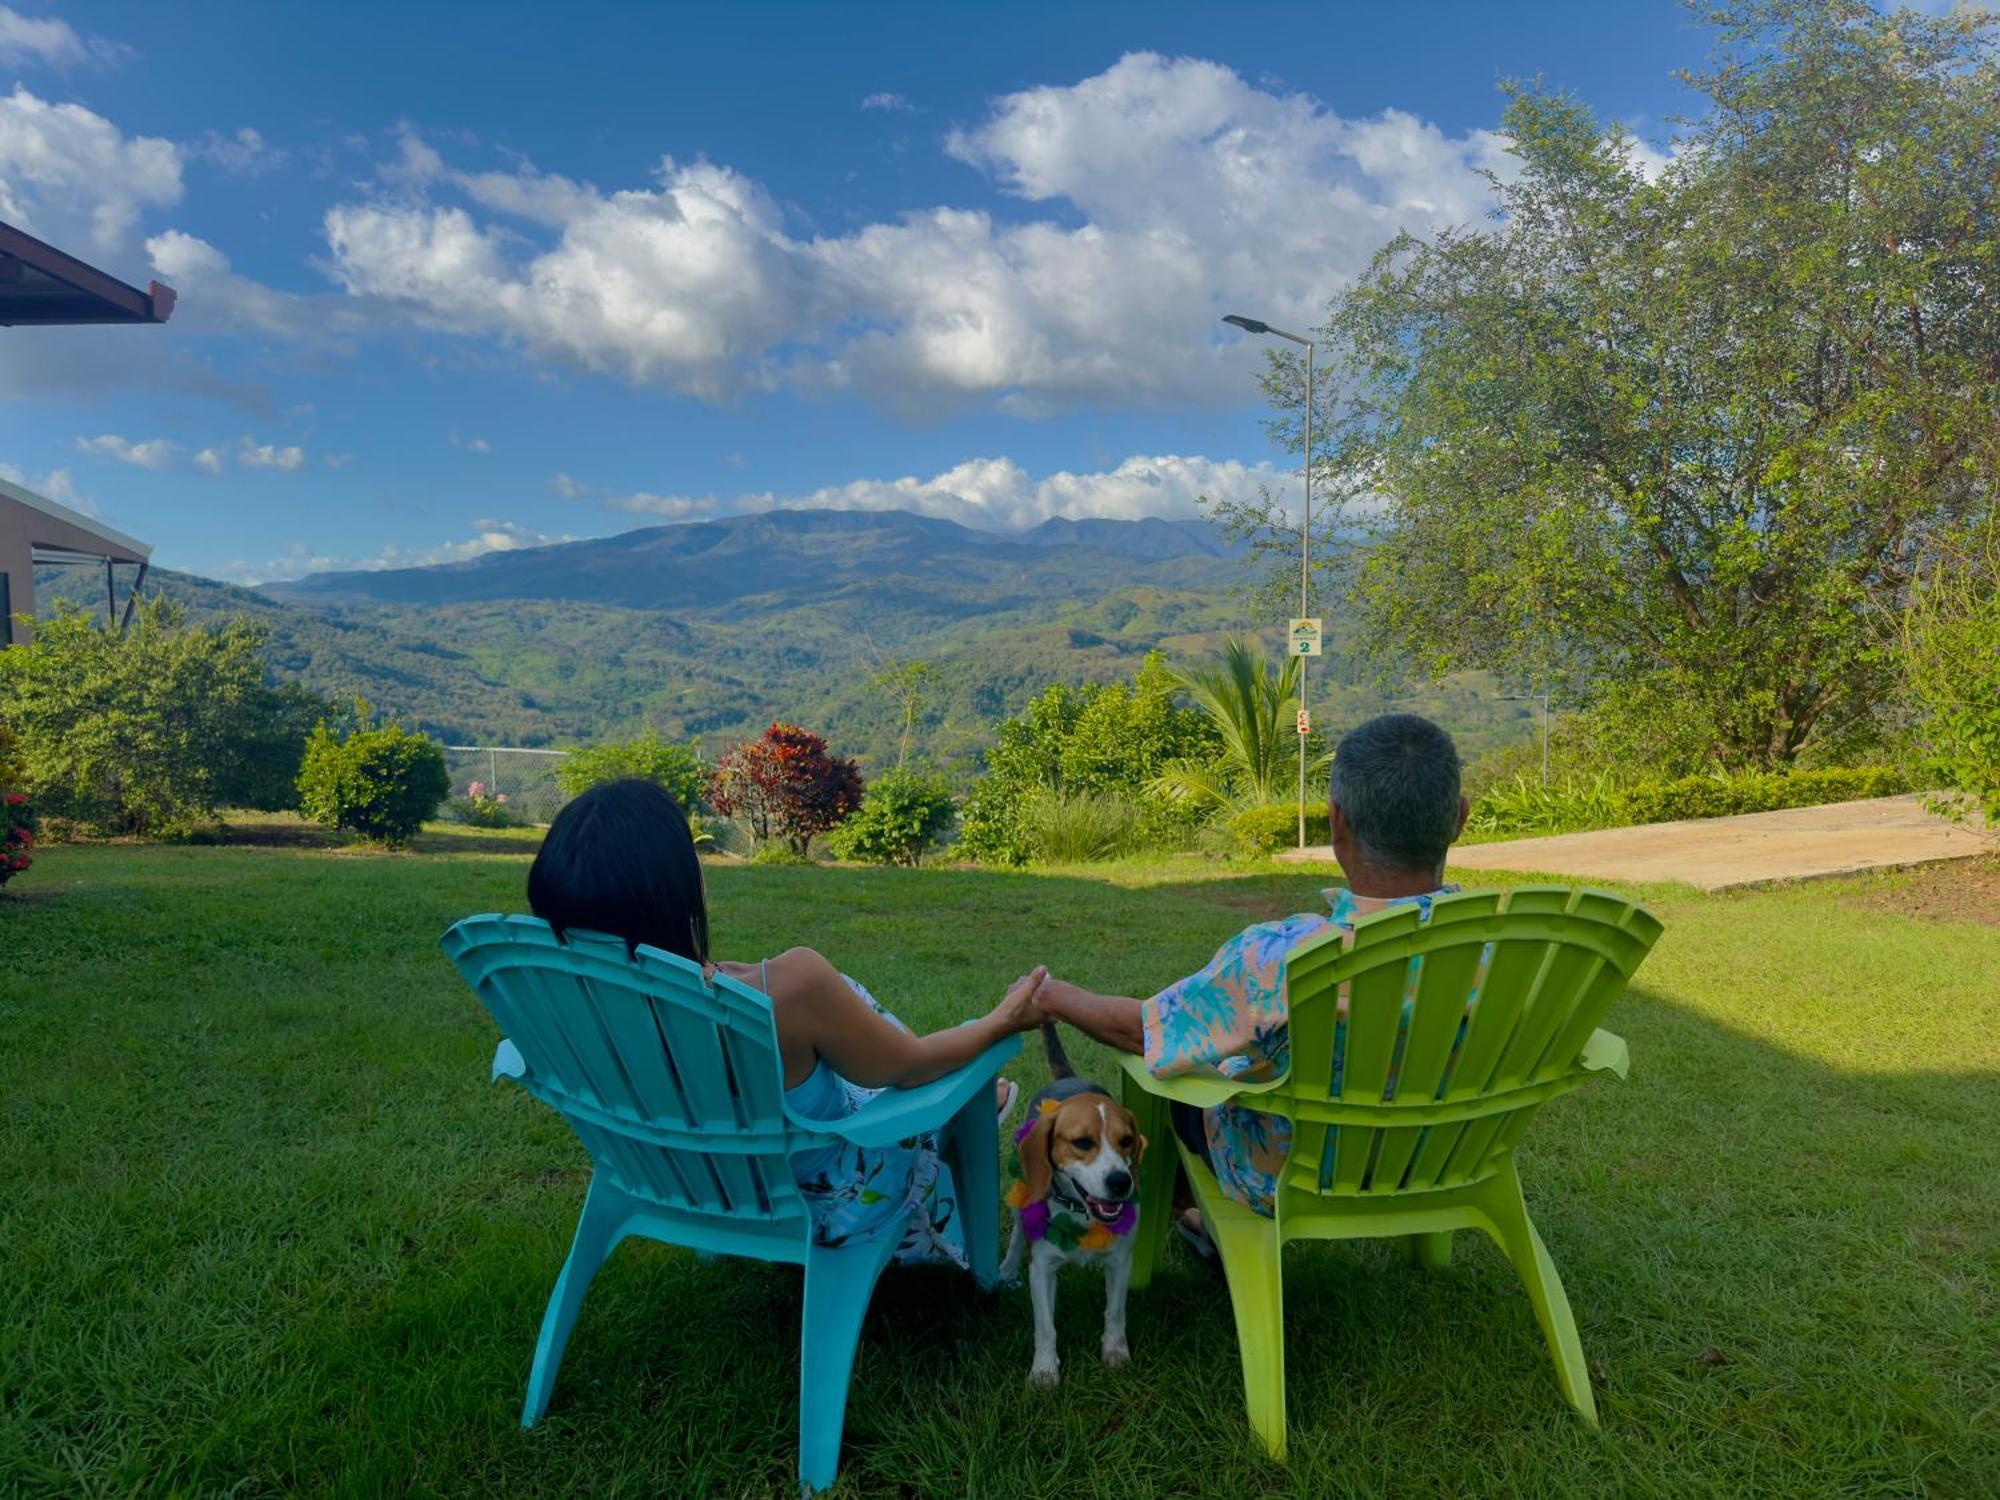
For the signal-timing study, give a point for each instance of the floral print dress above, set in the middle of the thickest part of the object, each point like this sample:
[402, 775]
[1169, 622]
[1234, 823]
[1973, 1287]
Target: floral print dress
[858, 1192]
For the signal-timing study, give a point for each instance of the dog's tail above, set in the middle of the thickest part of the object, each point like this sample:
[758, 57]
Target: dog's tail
[1059, 1063]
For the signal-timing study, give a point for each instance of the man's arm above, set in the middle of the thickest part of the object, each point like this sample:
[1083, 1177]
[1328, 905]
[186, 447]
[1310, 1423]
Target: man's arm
[1110, 1019]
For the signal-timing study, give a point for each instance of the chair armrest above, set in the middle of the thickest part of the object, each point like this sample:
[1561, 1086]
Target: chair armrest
[508, 1062]
[1203, 1091]
[897, 1114]
[1605, 1053]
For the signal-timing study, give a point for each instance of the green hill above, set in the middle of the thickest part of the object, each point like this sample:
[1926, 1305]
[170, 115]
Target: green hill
[710, 631]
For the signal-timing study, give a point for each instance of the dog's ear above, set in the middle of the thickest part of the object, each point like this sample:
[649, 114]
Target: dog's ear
[1140, 1154]
[1036, 1166]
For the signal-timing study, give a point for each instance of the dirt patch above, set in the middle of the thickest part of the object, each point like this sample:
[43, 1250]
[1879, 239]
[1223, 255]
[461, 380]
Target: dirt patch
[1966, 890]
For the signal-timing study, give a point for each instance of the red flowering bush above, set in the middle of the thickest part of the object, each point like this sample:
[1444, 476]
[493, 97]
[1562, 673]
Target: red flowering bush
[786, 785]
[17, 815]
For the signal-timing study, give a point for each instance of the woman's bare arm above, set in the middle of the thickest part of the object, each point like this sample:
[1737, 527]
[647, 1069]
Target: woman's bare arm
[819, 1014]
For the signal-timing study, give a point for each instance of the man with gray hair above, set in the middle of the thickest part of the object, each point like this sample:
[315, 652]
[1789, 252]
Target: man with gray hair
[1395, 807]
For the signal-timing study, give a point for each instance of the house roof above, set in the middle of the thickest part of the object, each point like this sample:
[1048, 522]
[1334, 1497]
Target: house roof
[40, 285]
[116, 545]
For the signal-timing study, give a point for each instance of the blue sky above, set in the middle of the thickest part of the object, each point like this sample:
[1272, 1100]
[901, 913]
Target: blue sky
[455, 277]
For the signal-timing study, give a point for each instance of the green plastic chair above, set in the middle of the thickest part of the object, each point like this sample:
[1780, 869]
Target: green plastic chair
[1437, 1156]
[673, 1083]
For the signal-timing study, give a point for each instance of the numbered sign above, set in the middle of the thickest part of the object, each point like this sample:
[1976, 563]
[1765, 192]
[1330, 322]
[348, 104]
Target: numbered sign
[1305, 638]
[1305, 721]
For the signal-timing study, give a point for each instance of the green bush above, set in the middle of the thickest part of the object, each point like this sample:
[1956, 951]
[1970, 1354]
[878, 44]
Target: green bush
[149, 730]
[1569, 803]
[778, 852]
[903, 814]
[1951, 663]
[381, 783]
[1105, 739]
[1720, 796]
[1265, 830]
[676, 767]
[1075, 828]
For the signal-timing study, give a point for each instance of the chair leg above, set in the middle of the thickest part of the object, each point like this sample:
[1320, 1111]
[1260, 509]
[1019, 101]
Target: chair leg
[1251, 1259]
[839, 1284]
[597, 1229]
[1516, 1235]
[971, 1143]
[1156, 1180]
[1431, 1251]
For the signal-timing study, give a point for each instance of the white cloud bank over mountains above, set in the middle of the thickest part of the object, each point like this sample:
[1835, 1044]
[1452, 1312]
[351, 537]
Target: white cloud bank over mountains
[1150, 199]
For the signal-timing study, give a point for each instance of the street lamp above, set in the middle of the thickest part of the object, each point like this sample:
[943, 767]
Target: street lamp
[1254, 325]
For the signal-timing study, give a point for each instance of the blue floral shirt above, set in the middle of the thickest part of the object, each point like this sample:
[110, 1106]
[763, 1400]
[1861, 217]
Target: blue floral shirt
[1230, 1020]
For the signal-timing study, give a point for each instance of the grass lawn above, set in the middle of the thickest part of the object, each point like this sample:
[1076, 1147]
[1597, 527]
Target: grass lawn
[266, 1229]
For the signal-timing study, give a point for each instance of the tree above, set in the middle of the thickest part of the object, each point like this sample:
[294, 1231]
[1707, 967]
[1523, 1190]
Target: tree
[150, 730]
[1253, 704]
[908, 683]
[1700, 425]
[786, 785]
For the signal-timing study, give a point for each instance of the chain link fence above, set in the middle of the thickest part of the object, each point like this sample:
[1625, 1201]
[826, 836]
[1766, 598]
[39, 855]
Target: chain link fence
[522, 783]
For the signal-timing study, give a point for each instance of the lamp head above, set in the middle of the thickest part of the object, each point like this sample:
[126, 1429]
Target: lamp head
[1248, 325]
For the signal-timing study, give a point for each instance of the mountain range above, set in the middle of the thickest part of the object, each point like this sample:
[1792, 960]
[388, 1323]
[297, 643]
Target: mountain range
[708, 630]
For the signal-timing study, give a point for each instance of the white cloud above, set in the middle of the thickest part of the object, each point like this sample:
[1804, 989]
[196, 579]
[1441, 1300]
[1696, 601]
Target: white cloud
[215, 298]
[338, 460]
[209, 461]
[471, 444]
[892, 103]
[992, 493]
[1161, 193]
[154, 453]
[301, 559]
[54, 43]
[253, 455]
[245, 153]
[69, 175]
[58, 485]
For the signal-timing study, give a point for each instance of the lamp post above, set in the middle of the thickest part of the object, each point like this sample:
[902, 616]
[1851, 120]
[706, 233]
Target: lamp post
[1253, 325]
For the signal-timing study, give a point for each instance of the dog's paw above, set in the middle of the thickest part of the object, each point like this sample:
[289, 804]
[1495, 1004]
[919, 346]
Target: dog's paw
[1115, 1353]
[1045, 1375]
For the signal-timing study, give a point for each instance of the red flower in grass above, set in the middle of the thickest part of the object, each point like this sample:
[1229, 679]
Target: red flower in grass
[15, 799]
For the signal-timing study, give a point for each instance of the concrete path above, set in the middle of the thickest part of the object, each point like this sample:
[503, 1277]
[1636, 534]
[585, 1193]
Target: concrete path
[1753, 849]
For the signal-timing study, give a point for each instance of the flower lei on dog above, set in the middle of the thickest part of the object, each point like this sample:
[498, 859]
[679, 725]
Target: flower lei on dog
[1061, 1230]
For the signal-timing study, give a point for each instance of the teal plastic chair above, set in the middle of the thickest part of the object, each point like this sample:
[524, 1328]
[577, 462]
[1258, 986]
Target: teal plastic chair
[1481, 1015]
[673, 1083]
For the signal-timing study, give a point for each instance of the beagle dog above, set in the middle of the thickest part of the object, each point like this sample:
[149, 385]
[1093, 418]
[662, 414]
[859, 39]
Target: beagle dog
[1076, 1201]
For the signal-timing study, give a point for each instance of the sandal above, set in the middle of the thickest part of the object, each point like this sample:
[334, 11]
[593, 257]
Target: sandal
[1009, 1096]
[1188, 1226]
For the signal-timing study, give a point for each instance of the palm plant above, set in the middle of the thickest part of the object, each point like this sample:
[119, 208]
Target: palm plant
[1253, 703]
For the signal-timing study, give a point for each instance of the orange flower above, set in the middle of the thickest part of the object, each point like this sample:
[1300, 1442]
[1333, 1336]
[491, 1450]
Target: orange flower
[1017, 1196]
[1095, 1239]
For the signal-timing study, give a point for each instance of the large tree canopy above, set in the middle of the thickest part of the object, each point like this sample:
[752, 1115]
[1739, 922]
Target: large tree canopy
[1695, 424]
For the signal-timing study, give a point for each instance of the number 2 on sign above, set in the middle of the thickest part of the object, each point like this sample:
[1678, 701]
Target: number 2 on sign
[1305, 721]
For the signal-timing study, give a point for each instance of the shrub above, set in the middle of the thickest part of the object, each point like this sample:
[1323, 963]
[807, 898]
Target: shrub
[1106, 738]
[779, 853]
[149, 730]
[1074, 828]
[17, 814]
[1265, 830]
[786, 785]
[1721, 796]
[380, 783]
[1951, 661]
[1567, 804]
[903, 814]
[484, 810]
[676, 767]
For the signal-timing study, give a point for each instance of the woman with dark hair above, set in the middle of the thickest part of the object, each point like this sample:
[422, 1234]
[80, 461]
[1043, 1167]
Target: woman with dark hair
[620, 860]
